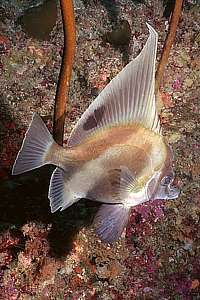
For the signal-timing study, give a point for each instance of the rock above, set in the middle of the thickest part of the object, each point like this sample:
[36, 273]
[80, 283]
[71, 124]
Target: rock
[38, 21]
[120, 35]
[174, 137]
[188, 83]
[4, 44]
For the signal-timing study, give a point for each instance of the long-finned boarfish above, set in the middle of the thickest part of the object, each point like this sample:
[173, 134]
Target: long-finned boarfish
[116, 153]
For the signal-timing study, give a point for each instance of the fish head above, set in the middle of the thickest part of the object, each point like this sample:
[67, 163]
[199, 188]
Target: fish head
[161, 185]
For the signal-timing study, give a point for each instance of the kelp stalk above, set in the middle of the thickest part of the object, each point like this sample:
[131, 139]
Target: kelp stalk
[62, 92]
[168, 42]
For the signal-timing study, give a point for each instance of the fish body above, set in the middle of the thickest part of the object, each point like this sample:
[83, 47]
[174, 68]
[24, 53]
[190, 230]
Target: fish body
[107, 150]
[116, 153]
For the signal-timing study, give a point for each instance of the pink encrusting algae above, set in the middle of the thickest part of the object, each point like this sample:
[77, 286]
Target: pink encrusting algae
[59, 257]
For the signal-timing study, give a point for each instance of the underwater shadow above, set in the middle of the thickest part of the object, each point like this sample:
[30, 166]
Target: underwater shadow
[125, 51]
[24, 199]
[38, 20]
[67, 224]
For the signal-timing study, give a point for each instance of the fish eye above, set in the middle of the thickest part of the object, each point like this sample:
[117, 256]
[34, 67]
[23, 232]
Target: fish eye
[166, 180]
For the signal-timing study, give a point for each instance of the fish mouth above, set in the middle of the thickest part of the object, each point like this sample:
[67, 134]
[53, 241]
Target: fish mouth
[173, 192]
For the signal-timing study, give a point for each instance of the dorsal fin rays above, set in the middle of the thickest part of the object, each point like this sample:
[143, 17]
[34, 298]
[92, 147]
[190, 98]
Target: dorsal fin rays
[128, 98]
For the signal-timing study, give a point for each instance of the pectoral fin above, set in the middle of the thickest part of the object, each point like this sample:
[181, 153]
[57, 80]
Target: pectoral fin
[110, 221]
[114, 187]
[60, 195]
[123, 182]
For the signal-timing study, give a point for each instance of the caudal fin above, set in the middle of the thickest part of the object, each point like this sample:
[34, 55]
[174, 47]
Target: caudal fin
[35, 147]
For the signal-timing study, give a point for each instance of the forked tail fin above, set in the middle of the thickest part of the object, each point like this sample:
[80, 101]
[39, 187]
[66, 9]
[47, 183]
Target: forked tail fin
[35, 147]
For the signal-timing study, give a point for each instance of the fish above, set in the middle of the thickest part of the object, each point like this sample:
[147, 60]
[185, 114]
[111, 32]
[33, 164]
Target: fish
[116, 153]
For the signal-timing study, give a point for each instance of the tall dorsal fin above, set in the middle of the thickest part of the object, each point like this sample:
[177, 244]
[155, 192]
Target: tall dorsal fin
[128, 98]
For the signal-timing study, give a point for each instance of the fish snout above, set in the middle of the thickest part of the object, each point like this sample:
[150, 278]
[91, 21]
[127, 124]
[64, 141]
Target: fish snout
[173, 192]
